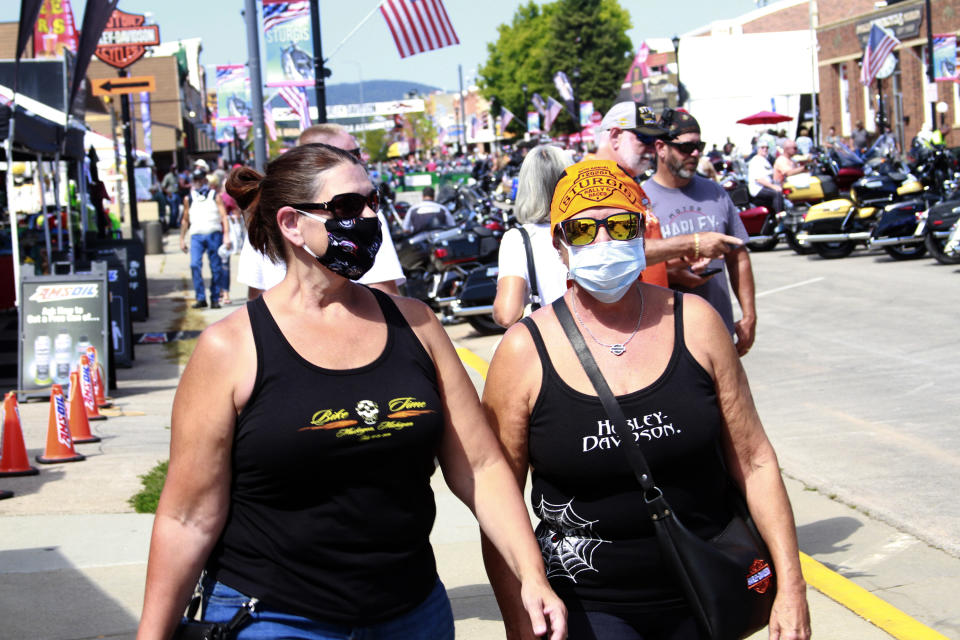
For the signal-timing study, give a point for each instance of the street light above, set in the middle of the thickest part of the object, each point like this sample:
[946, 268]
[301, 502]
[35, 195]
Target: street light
[676, 55]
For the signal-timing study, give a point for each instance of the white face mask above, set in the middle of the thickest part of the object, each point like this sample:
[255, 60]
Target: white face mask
[607, 270]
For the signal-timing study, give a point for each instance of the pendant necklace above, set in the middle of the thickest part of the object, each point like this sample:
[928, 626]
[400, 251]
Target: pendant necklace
[619, 348]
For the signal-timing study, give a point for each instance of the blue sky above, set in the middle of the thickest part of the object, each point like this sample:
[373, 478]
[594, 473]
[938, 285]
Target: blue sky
[370, 53]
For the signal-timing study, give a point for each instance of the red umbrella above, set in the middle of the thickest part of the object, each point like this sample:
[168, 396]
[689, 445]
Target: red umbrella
[764, 117]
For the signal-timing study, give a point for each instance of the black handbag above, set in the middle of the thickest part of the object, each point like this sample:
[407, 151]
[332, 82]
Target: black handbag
[728, 580]
[191, 629]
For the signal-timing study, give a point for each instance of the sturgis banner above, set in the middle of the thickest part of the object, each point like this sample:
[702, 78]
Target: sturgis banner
[289, 44]
[233, 95]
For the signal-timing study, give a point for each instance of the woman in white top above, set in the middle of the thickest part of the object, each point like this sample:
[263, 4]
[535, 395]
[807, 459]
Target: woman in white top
[539, 173]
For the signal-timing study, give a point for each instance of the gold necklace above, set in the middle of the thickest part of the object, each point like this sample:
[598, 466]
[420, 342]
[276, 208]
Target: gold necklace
[619, 348]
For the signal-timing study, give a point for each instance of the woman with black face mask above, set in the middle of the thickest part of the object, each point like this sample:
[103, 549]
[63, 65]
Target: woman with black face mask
[304, 435]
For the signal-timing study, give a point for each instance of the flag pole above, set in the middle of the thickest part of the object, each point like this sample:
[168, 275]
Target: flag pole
[355, 29]
[256, 85]
[319, 73]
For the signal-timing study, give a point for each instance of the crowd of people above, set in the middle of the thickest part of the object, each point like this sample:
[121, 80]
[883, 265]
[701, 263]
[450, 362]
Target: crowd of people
[307, 424]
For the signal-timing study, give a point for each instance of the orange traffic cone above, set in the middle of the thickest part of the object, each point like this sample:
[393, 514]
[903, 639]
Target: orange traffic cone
[79, 425]
[59, 441]
[96, 373]
[86, 388]
[14, 461]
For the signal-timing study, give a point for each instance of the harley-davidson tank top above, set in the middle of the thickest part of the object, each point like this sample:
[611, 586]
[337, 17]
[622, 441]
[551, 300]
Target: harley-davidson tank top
[330, 499]
[595, 533]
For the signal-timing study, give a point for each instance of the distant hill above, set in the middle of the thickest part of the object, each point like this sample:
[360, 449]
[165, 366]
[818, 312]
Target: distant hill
[374, 91]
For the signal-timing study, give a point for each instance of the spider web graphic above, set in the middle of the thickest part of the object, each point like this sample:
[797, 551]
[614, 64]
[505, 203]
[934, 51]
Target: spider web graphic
[567, 541]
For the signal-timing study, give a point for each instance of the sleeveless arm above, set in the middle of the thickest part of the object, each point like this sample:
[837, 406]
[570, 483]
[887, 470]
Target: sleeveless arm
[752, 463]
[476, 471]
[195, 499]
[507, 402]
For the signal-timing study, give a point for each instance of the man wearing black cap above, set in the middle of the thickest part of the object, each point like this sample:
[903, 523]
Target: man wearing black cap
[627, 135]
[689, 206]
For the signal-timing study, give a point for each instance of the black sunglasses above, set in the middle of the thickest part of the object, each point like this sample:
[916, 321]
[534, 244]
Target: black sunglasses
[643, 137]
[355, 153]
[687, 147]
[345, 205]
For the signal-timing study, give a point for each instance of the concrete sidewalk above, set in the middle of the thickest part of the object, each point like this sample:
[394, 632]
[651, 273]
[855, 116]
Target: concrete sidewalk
[73, 553]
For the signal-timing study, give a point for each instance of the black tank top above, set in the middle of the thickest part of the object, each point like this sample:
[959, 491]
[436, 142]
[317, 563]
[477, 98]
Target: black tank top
[330, 499]
[595, 533]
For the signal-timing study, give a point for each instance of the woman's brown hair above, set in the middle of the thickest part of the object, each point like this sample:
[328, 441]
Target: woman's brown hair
[293, 177]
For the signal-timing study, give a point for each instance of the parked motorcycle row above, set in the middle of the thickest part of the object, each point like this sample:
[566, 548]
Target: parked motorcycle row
[844, 202]
[839, 204]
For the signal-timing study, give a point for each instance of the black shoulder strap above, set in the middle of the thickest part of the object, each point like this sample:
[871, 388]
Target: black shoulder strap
[531, 270]
[629, 445]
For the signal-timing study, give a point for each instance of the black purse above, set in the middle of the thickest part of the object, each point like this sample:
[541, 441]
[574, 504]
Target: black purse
[191, 629]
[728, 580]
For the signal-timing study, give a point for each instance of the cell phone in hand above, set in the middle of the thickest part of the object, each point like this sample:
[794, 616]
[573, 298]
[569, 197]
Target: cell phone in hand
[706, 273]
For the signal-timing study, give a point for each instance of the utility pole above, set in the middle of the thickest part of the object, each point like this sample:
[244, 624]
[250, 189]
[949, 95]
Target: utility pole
[930, 76]
[463, 117]
[319, 72]
[128, 154]
[256, 84]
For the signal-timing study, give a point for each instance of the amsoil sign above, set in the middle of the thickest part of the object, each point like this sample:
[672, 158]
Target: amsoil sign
[125, 38]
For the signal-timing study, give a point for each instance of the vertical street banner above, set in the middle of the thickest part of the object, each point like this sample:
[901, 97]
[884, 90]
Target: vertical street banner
[233, 95]
[146, 122]
[586, 113]
[54, 30]
[288, 44]
[533, 122]
[945, 58]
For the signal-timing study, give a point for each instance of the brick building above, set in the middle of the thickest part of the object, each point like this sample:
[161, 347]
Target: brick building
[907, 95]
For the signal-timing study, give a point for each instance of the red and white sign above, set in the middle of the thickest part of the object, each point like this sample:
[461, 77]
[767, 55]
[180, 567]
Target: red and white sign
[125, 39]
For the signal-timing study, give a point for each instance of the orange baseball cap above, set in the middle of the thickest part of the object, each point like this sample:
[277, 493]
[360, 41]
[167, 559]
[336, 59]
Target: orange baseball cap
[595, 183]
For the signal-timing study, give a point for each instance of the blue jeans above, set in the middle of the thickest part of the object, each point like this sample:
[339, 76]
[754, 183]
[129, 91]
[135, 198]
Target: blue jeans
[430, 620]
[174, 201]
[206, 243]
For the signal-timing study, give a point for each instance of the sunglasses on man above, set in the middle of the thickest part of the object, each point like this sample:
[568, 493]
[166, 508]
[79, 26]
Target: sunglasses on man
[687, 147]
[620, 226]
[345, 206]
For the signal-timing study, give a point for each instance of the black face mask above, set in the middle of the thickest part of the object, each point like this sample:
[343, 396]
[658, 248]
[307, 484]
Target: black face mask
[352, 245]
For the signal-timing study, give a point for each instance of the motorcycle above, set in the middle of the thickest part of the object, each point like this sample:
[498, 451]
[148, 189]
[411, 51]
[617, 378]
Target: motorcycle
[437, 261]
[762, 225]
[933, 228]
[834, 228]
[896, 228]
[832, 173]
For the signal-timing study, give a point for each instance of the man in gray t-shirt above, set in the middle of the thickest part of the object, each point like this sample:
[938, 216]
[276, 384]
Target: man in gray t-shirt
[689, 204]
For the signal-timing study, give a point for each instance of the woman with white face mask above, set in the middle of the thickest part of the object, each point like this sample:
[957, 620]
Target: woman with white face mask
[668, 359]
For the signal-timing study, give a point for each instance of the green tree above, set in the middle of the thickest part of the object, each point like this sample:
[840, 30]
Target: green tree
[424, 132]
[589, 35]
[375, 142]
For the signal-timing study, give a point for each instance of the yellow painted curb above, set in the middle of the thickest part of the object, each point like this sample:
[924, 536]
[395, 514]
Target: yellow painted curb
[473, 361]
[868, 606]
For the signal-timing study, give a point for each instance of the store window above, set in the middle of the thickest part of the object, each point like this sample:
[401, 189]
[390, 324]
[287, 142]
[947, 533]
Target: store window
[845, 127]
[929, 91]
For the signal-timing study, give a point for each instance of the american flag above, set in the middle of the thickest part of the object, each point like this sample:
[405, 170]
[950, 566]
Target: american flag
[553, 110]
[505, 117]
[880, 44]
[539, 104]
[269, 121]
[418, 25]
[296, 97]
[275, 13]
